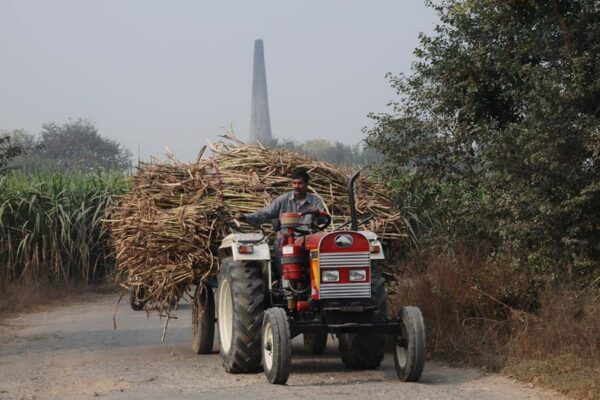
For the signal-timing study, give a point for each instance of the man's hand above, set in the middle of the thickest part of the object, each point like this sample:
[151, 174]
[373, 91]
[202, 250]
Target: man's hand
[239, 216]
[314, 211]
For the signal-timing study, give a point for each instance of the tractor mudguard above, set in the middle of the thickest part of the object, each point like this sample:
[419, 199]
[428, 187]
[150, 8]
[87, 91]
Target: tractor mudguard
[260, 248]
[374, 241]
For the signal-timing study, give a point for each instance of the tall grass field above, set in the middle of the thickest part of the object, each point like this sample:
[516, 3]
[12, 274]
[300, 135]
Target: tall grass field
[51, 227]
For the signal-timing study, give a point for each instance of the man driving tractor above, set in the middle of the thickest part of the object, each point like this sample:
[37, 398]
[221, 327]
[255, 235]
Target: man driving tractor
[298, 200]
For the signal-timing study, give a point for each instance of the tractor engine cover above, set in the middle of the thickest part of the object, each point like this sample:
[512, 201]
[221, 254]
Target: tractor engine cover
[341, 267]
[292, 261]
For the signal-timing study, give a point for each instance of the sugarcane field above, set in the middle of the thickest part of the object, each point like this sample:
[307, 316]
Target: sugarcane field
[409, 209]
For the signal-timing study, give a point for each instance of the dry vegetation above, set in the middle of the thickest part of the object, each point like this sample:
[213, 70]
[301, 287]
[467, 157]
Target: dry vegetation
[18, 298]
[475, 313]
[167, 228]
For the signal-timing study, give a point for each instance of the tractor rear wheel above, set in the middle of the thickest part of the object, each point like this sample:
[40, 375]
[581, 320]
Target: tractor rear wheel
[240, 315]
[409, 355]
[378, 291]
[203, 320]
[136, 298]
[276, 346]
[366, 350]
[315, 342]
[361, 351]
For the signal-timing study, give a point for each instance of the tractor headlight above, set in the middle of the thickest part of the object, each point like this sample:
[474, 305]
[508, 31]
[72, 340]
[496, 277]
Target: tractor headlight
[330, 275]
[358, 275]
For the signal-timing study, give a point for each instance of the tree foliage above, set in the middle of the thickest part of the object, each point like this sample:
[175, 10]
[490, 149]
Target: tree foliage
[17, 148]
[8, 151]
[77, 146]
[496, 133]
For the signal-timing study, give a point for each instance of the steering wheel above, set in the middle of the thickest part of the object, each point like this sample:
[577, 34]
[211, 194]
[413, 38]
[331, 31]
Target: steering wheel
[321, 227]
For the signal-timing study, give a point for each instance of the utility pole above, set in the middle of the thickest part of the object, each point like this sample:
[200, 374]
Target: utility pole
[260, 122]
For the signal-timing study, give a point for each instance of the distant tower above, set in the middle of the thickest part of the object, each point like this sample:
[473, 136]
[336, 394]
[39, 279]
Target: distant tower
[260, 122]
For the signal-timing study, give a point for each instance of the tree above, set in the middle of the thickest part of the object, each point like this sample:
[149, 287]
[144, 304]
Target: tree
[495, 134]
[23, 144]
[77, 146]
[8, 151]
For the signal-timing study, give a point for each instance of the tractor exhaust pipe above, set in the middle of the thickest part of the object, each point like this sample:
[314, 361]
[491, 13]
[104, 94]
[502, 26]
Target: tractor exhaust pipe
[353, 219]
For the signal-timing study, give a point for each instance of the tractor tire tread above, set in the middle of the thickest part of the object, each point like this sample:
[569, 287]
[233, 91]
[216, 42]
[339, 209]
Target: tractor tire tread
[282, 346]
[413, 320]
[203, 321]
[248, 302]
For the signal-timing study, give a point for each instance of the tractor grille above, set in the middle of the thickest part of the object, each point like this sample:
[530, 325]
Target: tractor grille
[344, 290]
[344, 259]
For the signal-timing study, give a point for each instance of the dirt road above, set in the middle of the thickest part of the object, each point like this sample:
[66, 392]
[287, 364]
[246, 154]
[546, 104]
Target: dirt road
[73, 353]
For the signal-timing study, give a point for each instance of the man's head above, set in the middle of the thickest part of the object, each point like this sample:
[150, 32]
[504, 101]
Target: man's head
[300, 182]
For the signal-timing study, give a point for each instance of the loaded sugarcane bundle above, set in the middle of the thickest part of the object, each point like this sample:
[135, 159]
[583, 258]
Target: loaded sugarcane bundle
[168, 227]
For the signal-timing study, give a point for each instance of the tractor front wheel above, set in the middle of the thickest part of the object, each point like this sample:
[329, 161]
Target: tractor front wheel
[409, 355]
[240, 309]
[203, 320]
[276, 346]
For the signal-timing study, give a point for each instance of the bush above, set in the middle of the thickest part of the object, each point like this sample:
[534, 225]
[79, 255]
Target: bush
[486, 313]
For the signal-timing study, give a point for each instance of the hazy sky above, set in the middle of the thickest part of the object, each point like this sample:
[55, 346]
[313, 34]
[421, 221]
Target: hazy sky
[173, 73]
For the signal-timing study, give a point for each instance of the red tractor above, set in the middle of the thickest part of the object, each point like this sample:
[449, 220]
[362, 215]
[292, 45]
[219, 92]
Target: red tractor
[326, 283]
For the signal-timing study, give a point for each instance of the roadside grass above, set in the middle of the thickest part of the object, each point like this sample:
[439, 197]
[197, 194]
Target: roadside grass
[485, 314]
[570, 374]
[560, 346]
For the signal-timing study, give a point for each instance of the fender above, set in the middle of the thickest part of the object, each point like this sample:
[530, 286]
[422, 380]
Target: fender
[374, 241]
[260, 248]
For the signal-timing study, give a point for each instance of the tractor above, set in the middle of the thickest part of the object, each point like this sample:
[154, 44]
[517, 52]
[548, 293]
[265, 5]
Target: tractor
[314, 283]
